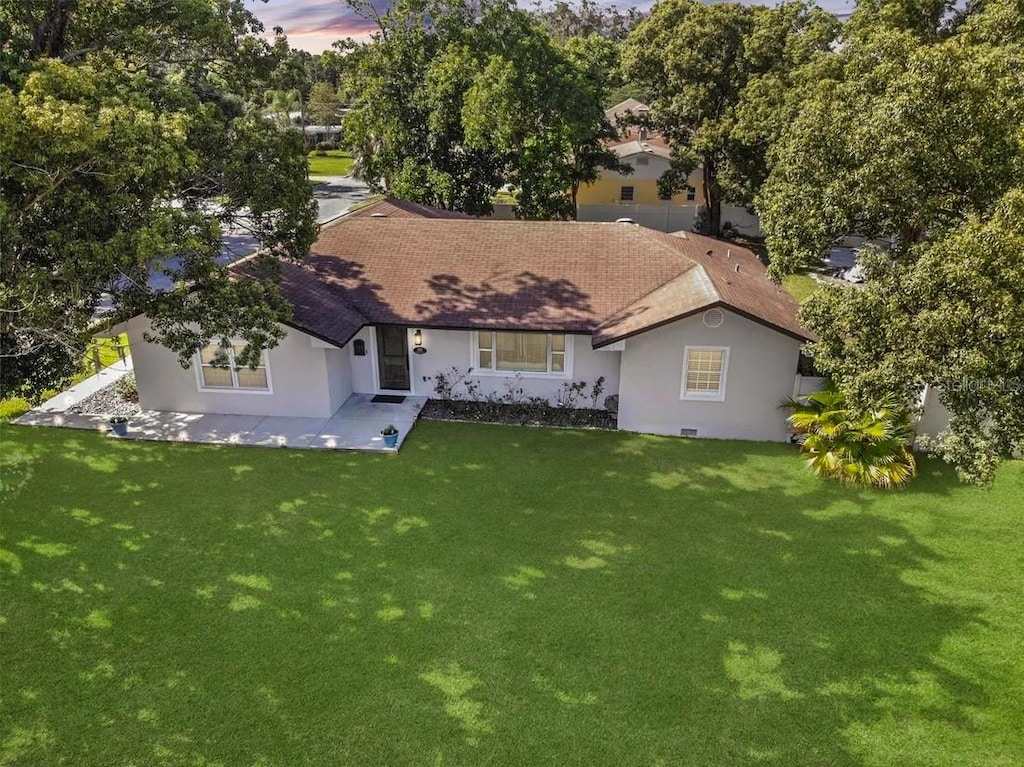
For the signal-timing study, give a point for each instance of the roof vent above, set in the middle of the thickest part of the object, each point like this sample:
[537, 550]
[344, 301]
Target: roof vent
[713, 318]
[728, 253]
[378, 215]
[737, 268]
[711, 252]
[624, 221]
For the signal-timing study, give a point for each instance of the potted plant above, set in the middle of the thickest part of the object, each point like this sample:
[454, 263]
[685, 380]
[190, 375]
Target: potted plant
[119, 425]
[390, 435]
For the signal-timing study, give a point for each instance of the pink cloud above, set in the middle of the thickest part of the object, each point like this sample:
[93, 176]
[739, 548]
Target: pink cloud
[312, 25]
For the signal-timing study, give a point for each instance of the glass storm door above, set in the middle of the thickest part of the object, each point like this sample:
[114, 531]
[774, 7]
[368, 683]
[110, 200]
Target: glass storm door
[393, 357]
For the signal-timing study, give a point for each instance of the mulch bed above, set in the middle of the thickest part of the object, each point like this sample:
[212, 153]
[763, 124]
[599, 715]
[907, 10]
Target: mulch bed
[517, 415]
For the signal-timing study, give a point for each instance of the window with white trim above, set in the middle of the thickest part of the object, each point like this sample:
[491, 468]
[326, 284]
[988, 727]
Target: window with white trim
[217, 370]
[704, 369]
[516, 352]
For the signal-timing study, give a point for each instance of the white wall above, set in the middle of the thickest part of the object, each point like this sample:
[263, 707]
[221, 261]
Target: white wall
[934, 418]
[742, 221]
[452, 348]
[339, 376]
[298, 365]
[760, 375]
[805, 385]
[363, 368]
[663, 217]
[669, 217]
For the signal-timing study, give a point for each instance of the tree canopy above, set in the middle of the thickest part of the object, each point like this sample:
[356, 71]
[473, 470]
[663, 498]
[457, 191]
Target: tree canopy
[449, 102]
[718, 75]
[915, 135]
[323, 105]
[130, 140]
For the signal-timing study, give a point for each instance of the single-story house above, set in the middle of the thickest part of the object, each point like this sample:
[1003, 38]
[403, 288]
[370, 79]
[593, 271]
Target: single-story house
[685, 330]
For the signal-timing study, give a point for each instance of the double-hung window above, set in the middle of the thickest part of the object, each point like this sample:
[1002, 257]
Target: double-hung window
[218, 370]
[513, 352]
[704, 369]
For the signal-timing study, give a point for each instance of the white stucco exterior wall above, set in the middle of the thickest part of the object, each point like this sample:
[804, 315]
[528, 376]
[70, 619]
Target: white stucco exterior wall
[339, 376]
[762, 364]
[934, 417]
[453, 348]
[298, 366]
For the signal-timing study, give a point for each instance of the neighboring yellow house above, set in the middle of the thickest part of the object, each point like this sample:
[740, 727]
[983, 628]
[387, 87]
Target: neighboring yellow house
[635, 195]
[640, 187]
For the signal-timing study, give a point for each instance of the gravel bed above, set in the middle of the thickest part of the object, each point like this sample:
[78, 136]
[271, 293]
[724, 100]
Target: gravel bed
[107, 401]
[517, 415]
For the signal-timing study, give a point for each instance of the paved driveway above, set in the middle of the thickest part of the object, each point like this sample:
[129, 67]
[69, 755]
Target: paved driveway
[337, 194]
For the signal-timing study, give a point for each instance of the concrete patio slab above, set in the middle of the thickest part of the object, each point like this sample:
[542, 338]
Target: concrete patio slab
[343, 433]
[67, 420]
[282, 431]
[360, 407]
[221, 429]
[355, 426]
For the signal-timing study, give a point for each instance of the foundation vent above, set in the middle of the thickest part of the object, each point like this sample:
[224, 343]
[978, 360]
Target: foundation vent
[687, 432]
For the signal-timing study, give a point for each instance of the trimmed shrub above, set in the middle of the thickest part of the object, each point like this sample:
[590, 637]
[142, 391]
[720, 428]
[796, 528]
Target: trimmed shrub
[127, 389]
[13, 407]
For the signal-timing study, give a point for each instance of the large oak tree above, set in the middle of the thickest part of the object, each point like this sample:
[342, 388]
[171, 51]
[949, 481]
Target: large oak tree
[916, 136]
[719, 76]
[451, 101]
[130, 141]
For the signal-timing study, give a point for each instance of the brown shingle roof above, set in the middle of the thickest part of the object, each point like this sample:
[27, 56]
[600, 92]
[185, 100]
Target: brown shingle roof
[613, 113]
[612, 280]
[723, 275]
[631, 133]
[390, 207]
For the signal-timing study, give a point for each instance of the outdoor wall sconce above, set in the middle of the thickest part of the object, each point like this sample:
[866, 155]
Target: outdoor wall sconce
[417, 342]
[359, 347]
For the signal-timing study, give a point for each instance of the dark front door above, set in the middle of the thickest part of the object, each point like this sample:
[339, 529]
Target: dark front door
[393, 357]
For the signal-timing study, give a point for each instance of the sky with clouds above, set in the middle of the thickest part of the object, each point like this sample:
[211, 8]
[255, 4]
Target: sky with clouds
[313, 25]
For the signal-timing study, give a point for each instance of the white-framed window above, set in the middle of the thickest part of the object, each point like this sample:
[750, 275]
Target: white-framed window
[502, 351]
[217, 371]
[704, 371]
[691, 193]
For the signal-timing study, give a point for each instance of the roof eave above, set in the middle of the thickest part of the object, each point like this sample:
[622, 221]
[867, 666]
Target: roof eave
[803, 338]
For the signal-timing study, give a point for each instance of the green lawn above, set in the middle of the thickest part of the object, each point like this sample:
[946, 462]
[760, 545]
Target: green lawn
[800, 286]
[500, 595]
[336, 163]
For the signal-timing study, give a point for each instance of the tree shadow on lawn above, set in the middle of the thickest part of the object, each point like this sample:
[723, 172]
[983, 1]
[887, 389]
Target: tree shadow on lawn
[518, 596]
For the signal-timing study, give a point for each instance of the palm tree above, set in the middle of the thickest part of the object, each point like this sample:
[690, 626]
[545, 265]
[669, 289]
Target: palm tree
[871, 448]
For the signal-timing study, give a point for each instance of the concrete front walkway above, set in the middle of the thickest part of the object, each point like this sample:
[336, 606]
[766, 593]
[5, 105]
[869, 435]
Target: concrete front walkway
[355, 426]
[69, 398]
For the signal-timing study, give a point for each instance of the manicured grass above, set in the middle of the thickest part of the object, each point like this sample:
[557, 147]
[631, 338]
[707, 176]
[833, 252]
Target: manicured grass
[336, 163]
[501, 595]
[800, 286]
